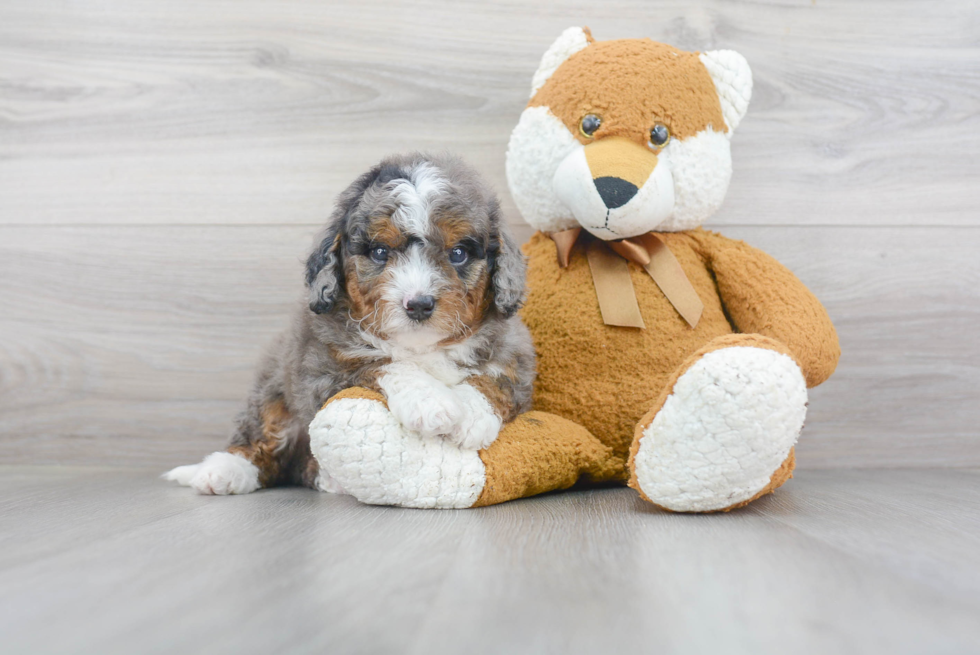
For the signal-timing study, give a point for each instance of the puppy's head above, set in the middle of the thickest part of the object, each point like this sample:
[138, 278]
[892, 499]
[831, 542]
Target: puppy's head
[415, 252]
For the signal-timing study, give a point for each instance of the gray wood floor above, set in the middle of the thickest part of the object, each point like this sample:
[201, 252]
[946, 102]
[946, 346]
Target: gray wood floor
[115, 561]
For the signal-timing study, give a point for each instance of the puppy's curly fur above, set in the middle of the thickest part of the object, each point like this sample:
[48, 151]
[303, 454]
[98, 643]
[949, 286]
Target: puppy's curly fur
[412, 291]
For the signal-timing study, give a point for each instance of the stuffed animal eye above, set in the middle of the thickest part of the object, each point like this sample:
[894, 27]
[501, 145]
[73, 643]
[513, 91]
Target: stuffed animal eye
[379, 254]
[458, 255]
[589, 124]
[659, 135]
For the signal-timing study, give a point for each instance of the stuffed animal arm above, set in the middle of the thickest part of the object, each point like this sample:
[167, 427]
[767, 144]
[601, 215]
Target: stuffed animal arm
[364, 451]
[762, 296]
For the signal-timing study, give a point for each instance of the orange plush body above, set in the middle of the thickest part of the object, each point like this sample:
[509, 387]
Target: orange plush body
[628, 138]
[612, 380]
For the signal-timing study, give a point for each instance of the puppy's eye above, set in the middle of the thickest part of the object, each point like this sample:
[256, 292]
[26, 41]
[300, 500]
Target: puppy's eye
[589, 124]
[659, 136]
[458, 255]
[379, 254]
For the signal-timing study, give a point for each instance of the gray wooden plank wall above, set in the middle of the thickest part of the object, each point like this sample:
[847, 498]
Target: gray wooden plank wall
[164, 165]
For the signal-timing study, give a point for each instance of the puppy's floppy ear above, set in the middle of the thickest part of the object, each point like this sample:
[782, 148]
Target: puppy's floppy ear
[509, 269]
[324, 273]
[325, 268]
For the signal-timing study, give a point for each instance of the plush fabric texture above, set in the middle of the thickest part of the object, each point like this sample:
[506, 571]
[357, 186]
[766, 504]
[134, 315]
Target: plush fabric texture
[701, 169]
[631, 84]
[733, 82]
[571, 41]
[763, 296]
[606, 378]
[541, 452]
[363, 451]
[728, 417]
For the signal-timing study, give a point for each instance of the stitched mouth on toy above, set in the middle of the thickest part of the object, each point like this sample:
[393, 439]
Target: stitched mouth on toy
[611, 212]
[604, 226]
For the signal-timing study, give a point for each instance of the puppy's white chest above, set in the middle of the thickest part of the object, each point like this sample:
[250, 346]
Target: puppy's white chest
[436, 364]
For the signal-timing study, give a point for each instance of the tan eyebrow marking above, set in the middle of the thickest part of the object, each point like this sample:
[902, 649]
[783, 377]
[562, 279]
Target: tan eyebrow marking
[384, 230]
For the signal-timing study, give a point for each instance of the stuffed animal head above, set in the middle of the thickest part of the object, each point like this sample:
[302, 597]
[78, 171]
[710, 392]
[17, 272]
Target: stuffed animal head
[626, 137]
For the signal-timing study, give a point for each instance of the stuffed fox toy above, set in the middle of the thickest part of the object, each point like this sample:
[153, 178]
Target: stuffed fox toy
[669, 357]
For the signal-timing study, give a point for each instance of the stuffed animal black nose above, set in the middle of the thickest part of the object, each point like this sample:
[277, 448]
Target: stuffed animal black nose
[420, 308]
[614, 191]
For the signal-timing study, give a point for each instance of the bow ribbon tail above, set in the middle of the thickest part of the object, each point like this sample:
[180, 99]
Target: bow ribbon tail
[666, 271]
[613, 287]
[611, 276]
[564, 241]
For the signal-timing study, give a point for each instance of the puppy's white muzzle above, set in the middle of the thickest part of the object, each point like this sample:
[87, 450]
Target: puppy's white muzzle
[616, 188]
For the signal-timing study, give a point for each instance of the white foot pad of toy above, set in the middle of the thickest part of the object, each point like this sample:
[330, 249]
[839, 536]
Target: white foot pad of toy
[219, 474]
[729, 423]
[367, 453]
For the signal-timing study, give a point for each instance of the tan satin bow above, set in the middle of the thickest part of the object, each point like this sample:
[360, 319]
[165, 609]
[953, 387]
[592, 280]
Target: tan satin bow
[611, 275]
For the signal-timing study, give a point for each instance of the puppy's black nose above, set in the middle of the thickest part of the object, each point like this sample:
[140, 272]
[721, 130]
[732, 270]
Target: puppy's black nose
[614, 191]
[420, 308]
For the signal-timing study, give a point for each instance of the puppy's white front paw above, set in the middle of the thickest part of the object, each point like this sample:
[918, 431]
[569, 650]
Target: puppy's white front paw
[431, 409]
[219, 474]
[480, 424]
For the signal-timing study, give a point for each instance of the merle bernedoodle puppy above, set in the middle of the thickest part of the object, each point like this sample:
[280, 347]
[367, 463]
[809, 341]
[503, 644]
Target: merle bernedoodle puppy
[412, 291]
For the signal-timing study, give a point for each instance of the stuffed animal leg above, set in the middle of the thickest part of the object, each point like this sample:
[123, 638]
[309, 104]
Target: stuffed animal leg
[723, 430]
[363, 451]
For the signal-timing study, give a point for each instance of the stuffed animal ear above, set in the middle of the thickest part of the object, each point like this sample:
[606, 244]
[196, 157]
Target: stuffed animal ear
[733, 81]
[571, 41]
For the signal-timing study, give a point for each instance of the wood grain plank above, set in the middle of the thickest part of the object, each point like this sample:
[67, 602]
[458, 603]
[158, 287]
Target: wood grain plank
[905, 391]
[136, 345]
[285, 539]
[903, 508]
[256, 113]
[686, 585]
[836, 561]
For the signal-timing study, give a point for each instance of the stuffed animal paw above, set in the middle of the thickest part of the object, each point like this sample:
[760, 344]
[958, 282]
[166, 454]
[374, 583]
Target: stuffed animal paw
[730, 420]
[365, 449]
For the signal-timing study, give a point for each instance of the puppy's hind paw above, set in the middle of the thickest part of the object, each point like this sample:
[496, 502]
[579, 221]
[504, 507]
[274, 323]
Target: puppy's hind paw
[219, 474]
[182, 475]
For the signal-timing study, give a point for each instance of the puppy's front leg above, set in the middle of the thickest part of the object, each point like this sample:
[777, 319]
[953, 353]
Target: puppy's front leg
[469, 414]
[488, 403]
[419, 401]
[480, 423]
